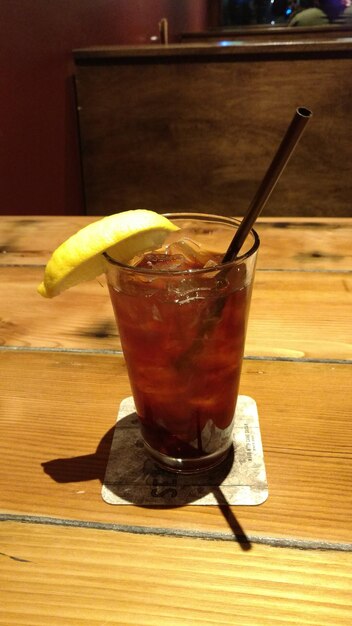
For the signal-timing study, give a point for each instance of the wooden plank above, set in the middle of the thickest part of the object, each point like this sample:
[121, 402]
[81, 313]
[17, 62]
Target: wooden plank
[32, 239]
[301, 315]
[286, 243]
[293, 314]
[66, 576]
[80, 318]
[305, 244]
[58, 412]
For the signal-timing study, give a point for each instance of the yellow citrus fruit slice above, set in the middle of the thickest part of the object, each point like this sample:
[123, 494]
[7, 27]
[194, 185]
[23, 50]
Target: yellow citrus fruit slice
[122, 235]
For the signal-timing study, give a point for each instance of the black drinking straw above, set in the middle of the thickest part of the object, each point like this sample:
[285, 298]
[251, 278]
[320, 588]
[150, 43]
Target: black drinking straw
[270, 179]
[277, 166]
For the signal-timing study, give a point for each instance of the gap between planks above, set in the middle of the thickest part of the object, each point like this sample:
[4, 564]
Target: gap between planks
[172, 532]
[112, 352]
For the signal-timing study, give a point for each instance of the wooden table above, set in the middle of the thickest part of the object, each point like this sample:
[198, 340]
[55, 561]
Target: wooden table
[68, 558]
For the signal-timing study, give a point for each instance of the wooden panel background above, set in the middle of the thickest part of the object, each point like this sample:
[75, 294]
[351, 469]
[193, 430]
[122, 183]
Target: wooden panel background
[269, 33]
[194, 128]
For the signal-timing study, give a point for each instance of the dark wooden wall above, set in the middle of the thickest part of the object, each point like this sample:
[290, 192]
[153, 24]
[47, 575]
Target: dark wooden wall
[194, 127]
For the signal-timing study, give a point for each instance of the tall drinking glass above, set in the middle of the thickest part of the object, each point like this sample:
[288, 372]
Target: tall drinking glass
[182, 328]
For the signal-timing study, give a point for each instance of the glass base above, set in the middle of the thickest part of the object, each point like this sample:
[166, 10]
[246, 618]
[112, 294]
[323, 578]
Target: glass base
[187, 466]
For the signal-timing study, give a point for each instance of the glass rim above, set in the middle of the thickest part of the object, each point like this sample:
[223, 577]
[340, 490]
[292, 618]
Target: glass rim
[204, 216]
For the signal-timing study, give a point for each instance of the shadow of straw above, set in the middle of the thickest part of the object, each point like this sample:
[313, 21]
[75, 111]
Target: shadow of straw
[231, 520]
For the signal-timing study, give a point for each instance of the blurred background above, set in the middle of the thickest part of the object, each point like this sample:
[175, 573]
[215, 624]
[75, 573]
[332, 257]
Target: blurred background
[39, 147]
[39, 152]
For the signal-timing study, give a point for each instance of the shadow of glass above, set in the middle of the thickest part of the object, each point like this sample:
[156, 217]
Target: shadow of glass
[127, 472]
[132, 475]
[82, 468]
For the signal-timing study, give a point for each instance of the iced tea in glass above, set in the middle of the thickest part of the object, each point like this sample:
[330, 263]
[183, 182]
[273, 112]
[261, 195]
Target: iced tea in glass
[182, 318]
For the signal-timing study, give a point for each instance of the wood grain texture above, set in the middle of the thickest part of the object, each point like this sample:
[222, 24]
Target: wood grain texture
[195, 127]
[69, 576]
[58, 412]
[286, 243]
[293, 314]
[30, 240]
[309, 244]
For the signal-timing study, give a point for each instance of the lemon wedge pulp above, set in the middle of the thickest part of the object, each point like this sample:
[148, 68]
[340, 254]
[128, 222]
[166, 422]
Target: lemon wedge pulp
[122, 235]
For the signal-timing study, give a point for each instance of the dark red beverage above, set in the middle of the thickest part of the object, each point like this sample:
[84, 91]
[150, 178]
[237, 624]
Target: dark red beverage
[183, 331]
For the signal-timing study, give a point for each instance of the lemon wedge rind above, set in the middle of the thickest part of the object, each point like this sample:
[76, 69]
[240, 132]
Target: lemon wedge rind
[122, 235]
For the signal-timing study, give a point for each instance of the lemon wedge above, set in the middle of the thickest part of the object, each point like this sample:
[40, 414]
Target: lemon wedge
[122, 235]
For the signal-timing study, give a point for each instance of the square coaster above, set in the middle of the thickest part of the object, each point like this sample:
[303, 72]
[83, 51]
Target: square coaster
[132, 477]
